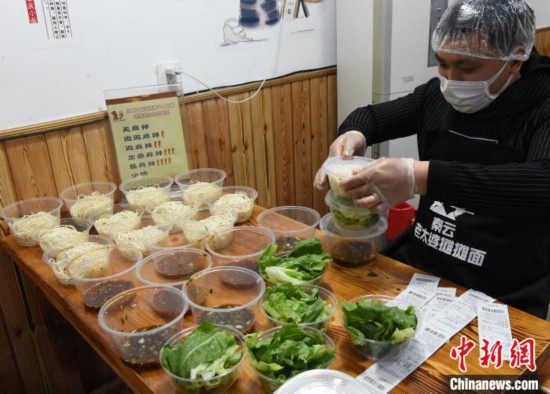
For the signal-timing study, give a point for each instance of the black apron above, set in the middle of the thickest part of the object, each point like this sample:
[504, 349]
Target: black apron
[503, 256]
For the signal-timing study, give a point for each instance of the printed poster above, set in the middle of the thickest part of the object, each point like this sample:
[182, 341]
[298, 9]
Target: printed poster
[148, 134]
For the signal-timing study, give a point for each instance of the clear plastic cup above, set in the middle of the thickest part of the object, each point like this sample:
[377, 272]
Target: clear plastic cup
[369, 348]
[172, 267]
[59, 259]
[173, 211]
[352, 248]
[183, 234]
[26, 218]
[326, 381]
[123, 218]
[146, 192]
[339, 169]
[89, 200]
[225, 295]
[242, 208]
[239, 244]
[140, 321]
[290, 224]
[269, 384]
[349, 217]
[327, 297]
[193, 194]
[143, 237]
[70, 232]
[104, 272]
[216, 384]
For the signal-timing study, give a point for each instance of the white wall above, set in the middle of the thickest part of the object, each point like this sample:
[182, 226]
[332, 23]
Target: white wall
[542, 12]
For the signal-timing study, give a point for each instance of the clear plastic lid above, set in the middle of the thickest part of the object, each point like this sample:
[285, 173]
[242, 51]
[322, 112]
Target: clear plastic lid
[328, 225]
[322, 381]
[343, 167]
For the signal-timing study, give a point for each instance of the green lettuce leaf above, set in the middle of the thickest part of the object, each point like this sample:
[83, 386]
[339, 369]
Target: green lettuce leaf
[288, 352]
[207, 352]
[306, 261]
[372, 320]
[290, 304]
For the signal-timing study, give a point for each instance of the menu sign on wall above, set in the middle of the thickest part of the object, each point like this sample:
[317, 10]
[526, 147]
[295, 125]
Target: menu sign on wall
[148, 134]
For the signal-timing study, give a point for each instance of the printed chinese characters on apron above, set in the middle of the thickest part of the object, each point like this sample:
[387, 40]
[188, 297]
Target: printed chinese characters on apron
[479, 251]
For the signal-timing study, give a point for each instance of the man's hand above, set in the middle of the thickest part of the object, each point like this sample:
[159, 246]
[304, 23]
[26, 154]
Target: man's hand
[347, 145]
[388, 181]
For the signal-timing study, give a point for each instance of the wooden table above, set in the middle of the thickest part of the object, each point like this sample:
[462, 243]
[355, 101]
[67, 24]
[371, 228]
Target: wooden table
[382, 276]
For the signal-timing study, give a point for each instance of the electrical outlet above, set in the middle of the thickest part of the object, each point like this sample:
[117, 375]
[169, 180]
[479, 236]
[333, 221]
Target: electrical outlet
[169, 73]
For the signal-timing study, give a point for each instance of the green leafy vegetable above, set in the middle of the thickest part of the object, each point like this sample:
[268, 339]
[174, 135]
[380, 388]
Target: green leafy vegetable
[207, 353]
[306, 261]
[373, 320]
[287, 303]
[288, 352]
[355, 219]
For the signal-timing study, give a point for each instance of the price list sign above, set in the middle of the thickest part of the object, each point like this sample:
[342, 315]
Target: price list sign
[148, 134]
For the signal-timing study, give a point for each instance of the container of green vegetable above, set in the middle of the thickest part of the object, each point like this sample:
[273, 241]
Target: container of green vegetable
[204, 358]
[376, 329]
[306, 263]
[347, 215]
[305, 305]
[282, 352]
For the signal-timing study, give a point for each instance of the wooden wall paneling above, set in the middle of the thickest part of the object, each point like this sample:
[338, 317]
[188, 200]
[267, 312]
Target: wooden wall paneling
[56, 354]
[218, 137]
[31, 168]
[195, 136]
[301, 129]
[265, 151]
[100, 149]
[10, 380]
[542, 41]
[319, 133]
[242, 145]
[283, 144]
[7, 189]
[18, 328]
[68, 156]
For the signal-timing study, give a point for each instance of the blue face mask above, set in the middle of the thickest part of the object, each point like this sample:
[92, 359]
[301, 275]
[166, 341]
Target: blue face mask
[471, 96]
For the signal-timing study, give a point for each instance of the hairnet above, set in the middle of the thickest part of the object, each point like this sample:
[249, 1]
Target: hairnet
[488, 29]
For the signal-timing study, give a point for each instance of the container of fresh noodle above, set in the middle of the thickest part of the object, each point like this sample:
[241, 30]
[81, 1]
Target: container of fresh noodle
[201, 185]
[282, 352]
[376, 329]
[26, 218]
[144, 193]
[305, 305]
[236, 199]
[62, 237]
[306, 263]
[89, 200]
[340, 169]
[204, 358]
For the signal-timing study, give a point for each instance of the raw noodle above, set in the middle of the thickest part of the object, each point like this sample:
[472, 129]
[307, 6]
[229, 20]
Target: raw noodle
[26, 229]
[201, 193]
[120, 222]
[238, 203]
[147, 198]
[91, 206]
[216, 224]
[96, 261]
[141, 238]
[172, 211]
[58, 239]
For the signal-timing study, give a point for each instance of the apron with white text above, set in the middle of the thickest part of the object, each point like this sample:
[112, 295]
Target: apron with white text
[507, 257]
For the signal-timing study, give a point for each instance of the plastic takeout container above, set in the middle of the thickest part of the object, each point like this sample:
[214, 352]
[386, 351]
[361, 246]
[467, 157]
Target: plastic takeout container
[226, 296]
[242, 208]
[369, 348]
[216, 384]
[70, 232]
[146, 192]
[26, 218]
[289, 224]
[172, 267]
[352, 248]
[140, 321]
[192, 194]
[339, 169]
[322, 381]
[347, 216]
[183, 234]
[89, 200]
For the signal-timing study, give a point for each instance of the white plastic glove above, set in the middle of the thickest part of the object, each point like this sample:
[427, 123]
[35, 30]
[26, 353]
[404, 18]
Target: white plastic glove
[347, 145]
[388, 181]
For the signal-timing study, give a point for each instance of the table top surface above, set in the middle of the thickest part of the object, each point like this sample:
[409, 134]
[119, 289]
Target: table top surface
[381, 276]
